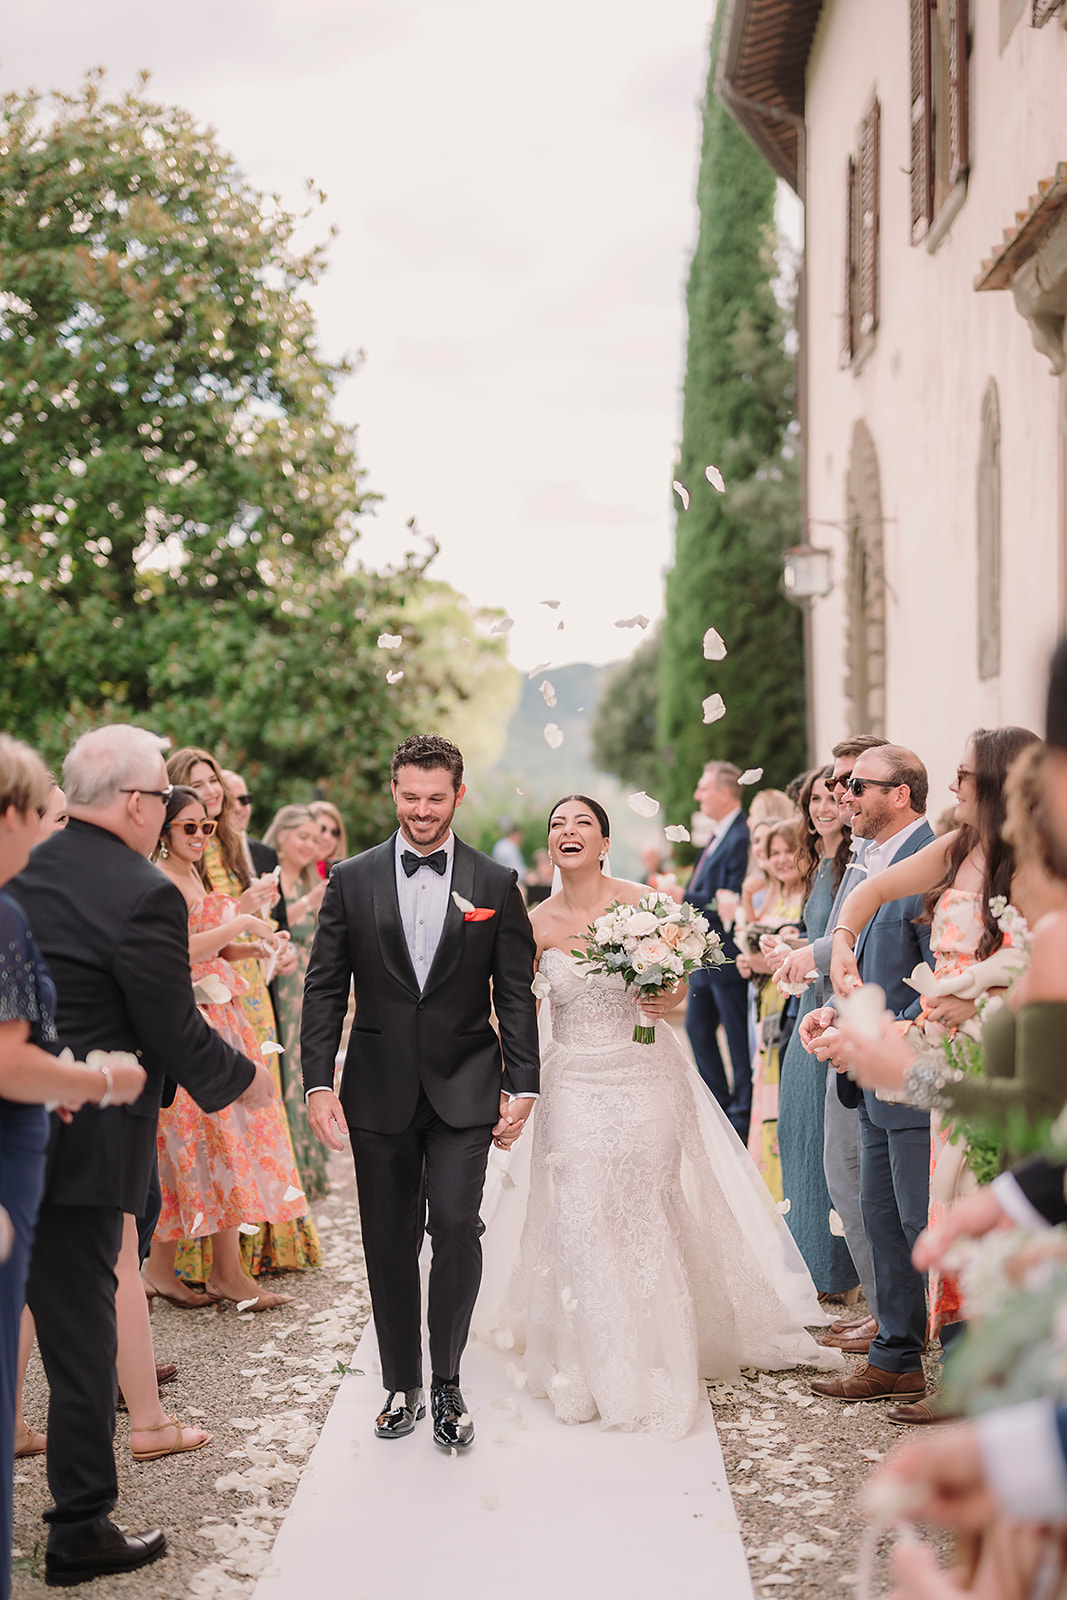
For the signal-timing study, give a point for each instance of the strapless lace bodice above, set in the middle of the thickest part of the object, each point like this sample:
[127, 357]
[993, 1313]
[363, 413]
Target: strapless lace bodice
[590, 1011]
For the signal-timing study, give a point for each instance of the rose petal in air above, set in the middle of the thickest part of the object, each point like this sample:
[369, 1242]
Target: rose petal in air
[247, 1227]
[553, 735]
[464, 905]
[714, 707]
[394, 677]
[271, 1047]
[784, 1207]
[677, 834]
[390, 641]
[553, 605]
[197, 1220]
[643, 804]
[751, 775]
[548, 694]
[639, 621]
[505, 625]
[682, 492]
[540, 667]
[293, 1193]
[714, 648]
[559, 627]
[837, 1227]
[715, 478]
[540, 988]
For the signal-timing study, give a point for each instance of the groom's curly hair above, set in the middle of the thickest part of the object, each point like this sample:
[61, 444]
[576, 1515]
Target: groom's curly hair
[429, 750]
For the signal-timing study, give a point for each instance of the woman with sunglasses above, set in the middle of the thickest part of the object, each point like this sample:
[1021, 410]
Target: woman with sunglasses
[333, 843]
[220, 1170]
[959, 874]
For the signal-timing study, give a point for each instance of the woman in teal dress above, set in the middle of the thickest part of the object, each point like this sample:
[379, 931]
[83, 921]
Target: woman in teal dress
[295, 835]
[823, 855]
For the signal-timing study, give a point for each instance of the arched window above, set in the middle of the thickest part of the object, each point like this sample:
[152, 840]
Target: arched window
[989, 536]
[865, 664]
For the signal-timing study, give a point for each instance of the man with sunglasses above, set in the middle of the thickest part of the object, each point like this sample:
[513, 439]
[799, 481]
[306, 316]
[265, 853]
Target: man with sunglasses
[887, 790]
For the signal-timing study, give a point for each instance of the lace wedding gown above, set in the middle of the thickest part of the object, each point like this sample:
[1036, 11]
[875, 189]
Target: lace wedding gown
[651, 1255]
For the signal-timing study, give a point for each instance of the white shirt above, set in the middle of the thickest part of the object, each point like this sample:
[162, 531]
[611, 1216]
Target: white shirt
[1024, 1461]
[880, 856]
[423, 903]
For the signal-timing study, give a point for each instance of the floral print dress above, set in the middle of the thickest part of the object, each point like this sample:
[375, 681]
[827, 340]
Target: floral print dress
[766, 1065]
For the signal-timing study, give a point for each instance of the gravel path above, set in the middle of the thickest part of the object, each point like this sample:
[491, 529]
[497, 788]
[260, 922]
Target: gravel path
[263, 1385]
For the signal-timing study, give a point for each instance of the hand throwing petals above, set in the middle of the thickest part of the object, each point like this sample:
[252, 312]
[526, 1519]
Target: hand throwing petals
[714, 707]
[553, 735]
[682, 492]
[715, 478]
[677, 834]
[643, 804]
[714, 648]
[390, 641]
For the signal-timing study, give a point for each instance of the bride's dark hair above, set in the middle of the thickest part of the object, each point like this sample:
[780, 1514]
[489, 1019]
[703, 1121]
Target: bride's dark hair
[603, 820]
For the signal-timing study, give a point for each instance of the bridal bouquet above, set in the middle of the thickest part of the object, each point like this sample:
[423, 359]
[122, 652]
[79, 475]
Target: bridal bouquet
[651, 945]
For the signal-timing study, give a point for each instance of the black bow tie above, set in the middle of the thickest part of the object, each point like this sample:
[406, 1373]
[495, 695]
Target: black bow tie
[437, 862]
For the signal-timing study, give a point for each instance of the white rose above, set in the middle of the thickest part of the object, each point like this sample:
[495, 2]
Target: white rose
[605, 930]
[642, 923]
[692, 947]
[654, 951]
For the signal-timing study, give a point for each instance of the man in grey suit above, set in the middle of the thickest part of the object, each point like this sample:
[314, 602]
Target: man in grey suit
[889, 788]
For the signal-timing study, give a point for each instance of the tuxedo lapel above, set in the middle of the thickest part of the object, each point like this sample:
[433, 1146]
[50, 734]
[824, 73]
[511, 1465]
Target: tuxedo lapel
[391, 941]
[450, 945]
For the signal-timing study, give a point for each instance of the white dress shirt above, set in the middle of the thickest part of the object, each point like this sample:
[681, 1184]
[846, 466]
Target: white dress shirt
[880, 856]
[1024, 1461]
[423, 903]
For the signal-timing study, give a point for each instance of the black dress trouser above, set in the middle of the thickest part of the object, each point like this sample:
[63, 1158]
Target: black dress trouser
[429, 1178]
[71, 1292]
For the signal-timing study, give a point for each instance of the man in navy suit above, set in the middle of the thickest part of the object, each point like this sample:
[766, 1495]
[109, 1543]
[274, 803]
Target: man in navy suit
[889, 788]
[721, 995]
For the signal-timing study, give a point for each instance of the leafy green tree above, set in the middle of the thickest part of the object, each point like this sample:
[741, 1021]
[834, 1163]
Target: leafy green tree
[177, 506]
[626, 729]
[737, 415]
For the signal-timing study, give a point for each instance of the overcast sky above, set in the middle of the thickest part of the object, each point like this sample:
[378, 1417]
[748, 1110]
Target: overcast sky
[514, 193]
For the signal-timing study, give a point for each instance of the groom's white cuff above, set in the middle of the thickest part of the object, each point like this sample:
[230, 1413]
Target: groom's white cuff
[1024, 1461]
[316, 1090]
[320, 1086]
[527, 1096]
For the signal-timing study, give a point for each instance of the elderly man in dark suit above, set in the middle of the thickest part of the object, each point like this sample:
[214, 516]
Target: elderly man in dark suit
[720, 995]
[115, 934]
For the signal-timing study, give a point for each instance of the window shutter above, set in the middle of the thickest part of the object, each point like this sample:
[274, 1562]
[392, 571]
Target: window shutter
[849, 330]
[868, 221]
[959, 152]
[922, 121]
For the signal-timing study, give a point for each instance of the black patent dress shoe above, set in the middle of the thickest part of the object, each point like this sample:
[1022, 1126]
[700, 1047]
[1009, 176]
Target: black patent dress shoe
[402, 1409]
[452, 1426]
[75, 1555]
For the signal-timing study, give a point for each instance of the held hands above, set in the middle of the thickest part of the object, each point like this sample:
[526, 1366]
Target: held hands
[793, 968]
[513, 1115]
[951, 1011]
[327, 1119]
[260, 1091]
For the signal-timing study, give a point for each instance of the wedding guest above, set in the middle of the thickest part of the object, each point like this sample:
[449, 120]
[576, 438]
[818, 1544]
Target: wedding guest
[822, 856]
[113, 932]
[295, 837]
[333, 841]
[261, 860]
[221, 1170]
[508, 848]
[55, 812]
[781, 909]
[293, 1245]
[30, 1073]
[756, 884]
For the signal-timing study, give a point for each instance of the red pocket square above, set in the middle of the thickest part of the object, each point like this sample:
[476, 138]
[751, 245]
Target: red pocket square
[479, 914]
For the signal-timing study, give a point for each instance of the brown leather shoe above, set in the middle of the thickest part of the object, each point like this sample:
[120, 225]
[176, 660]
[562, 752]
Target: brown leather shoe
[919, 1414]
[855, 1337]
[872, 1383]
[855, 1326]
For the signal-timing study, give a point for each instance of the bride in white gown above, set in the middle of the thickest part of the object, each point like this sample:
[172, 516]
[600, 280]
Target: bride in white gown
[651, 1254]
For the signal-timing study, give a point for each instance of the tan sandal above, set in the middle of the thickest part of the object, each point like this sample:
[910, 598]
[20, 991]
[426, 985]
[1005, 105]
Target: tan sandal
[28, 1442]
[177, 1447]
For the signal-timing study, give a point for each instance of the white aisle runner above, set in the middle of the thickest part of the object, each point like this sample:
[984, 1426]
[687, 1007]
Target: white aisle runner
[534, 1511]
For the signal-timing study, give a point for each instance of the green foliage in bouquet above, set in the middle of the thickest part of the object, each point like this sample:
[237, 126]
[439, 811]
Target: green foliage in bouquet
[984, 1139]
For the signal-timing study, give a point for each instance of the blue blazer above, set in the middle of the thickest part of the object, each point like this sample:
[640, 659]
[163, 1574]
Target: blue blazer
[722, 868]
[888, 949]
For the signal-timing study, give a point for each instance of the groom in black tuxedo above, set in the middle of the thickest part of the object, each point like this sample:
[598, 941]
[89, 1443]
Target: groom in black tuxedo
[434, 934]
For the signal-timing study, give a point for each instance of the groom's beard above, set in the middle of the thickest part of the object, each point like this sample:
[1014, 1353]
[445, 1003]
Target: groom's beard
[429, 835]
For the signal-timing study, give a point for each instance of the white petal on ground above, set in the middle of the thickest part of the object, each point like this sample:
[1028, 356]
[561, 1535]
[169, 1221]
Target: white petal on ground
[250, 1228]
[516, 1375]
[464, 905]
[677, 834]
[553, 735]
[271, 1047]
[837, 1227]
[505, 625]
[682, 492]
[714, 707]
[643, 804]
[244, 1305]
[553, 605]
[541, 666]
[292, 1193]
[548, 694]
[390, 641]
[714, 648]
[394, 677]
[715, 478]
[751, 775]
[560, 1381]
[639, 621]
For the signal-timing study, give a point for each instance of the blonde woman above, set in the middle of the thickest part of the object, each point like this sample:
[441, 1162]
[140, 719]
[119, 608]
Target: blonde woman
[333, 841]
[295, 835]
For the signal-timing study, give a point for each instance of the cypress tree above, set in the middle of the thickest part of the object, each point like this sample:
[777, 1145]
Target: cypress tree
[737, 410]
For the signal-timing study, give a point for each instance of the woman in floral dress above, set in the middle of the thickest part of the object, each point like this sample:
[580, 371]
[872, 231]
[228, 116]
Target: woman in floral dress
[283, 1245]
[295, 836]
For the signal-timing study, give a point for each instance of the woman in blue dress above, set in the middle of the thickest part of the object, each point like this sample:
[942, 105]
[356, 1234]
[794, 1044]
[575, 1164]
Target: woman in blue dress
[30, 1075]
[822, 858]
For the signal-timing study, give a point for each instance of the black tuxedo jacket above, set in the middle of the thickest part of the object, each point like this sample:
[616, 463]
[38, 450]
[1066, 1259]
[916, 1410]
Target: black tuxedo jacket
[439, 1037]
[115, 934]
[265, 859]
[721, 868]
[1042, 1181]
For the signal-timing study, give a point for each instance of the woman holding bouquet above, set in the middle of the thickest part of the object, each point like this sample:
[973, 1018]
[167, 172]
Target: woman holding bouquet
[651, 1256]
